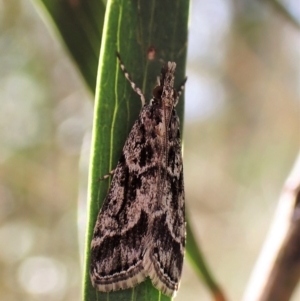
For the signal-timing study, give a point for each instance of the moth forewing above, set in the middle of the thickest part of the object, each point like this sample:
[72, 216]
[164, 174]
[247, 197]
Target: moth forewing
[140, 230]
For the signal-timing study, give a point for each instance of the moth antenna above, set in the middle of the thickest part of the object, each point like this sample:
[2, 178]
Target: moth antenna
[180, 91]
[133, 85]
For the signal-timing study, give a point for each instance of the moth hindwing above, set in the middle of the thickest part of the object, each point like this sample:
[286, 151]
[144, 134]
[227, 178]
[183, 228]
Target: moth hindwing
[140, 229]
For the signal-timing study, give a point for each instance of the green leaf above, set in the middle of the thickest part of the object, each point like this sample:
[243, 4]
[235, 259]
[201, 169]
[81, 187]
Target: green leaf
[130, 27]
[197, 260]
[80, 25]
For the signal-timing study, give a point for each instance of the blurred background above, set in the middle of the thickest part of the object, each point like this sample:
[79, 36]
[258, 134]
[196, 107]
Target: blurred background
[241, 137]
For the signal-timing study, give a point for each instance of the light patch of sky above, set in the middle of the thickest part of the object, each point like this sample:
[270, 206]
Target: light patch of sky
[204, 97]
[293, 7]
[210, 21]
[209, 25]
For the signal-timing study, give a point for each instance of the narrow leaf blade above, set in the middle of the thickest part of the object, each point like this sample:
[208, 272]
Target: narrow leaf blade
[131, 27]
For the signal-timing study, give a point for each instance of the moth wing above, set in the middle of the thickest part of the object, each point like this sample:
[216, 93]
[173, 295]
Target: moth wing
[117, 247]
[164, 261]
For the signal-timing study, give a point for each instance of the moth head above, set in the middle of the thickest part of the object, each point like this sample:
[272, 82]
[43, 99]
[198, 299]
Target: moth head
[158, 90]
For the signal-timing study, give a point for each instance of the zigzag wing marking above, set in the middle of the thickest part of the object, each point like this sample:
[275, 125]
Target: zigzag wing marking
[120, 234]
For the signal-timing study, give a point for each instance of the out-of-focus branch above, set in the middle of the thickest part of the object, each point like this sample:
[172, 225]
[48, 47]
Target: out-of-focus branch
[278, 268]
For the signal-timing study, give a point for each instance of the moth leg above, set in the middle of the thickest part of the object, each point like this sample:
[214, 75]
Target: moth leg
[107, 175]
[180, 90]
[158, 80]
[133, 85]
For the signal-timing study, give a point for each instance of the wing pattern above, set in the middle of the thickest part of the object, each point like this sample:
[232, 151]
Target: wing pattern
[140, 229]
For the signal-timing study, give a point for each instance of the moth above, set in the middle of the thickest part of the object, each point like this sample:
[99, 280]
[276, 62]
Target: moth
[140, 229]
